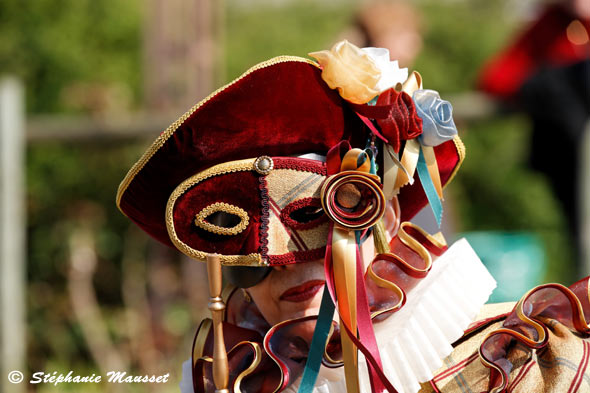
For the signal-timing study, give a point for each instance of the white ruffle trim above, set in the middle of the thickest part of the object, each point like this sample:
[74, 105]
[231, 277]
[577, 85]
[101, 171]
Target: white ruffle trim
[413, 341]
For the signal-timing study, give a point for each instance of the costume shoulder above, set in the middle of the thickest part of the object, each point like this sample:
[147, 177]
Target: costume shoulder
[560, 366]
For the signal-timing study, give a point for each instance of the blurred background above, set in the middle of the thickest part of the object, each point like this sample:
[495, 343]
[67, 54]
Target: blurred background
[86, 85]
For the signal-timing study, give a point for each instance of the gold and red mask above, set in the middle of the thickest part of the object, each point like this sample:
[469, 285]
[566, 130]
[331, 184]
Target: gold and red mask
[269, 212]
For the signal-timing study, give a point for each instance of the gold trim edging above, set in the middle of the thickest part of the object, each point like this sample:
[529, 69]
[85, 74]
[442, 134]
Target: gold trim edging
[253, 259]
[159, 142]
[461, 151]
[249, 370]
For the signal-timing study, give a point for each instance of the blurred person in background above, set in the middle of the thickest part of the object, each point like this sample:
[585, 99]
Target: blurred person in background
[394, 25]
[545, 72]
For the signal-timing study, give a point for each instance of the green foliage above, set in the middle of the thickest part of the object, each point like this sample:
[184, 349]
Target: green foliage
[68, 186]
[458, 38]
[496, 190]
[257, 34]
[54, 44]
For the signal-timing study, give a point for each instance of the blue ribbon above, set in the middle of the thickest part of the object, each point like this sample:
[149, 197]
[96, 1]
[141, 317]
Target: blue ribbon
[324, 321]
[318, 344]
[429, 190]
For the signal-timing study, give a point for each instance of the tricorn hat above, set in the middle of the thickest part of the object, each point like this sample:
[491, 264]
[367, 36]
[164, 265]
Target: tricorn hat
[216, 156]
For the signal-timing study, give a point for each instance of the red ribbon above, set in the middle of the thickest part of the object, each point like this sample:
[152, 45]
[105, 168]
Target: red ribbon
[379, 381]
[395, 113]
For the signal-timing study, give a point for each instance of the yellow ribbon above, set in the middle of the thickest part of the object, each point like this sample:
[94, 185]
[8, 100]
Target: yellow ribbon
[409, 161]
[411, 153]
[405, 173]
[389, 172]
[430, 159]
[413, 83]
[344, 262]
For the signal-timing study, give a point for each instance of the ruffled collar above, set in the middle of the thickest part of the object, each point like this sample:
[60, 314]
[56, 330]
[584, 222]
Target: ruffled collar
[412, 341]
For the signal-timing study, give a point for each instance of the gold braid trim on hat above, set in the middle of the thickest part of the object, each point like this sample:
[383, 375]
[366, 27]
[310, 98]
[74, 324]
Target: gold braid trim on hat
[461, 151]
[254, 259]
[159, 142]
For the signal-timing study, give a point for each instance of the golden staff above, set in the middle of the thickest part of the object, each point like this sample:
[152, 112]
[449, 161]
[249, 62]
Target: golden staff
[217, 307]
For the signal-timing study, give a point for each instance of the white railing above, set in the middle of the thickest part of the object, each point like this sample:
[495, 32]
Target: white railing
[12, 235]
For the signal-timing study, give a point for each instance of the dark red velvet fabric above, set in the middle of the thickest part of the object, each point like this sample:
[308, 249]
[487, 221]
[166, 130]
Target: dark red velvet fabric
[238, 189]
[283, 109]
[412, 197]
[299, 204]
[403, 122]
[280, 110]
[266, 375]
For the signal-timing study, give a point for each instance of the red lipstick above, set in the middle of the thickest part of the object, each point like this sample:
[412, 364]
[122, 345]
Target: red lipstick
[302, 292]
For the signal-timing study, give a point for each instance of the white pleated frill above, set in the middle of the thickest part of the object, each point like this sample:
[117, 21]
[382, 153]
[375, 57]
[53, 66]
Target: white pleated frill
[414, 341]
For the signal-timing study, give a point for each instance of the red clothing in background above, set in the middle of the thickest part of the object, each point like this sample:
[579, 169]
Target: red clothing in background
[544, 43]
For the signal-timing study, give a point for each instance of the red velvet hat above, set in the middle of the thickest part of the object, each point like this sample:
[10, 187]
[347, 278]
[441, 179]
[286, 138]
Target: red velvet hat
[206, 162]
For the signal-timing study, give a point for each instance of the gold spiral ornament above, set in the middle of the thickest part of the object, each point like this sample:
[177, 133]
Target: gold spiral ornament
[353, 199]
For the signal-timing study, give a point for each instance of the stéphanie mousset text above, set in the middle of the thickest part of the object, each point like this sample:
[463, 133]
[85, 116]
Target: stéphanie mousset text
[112, 377]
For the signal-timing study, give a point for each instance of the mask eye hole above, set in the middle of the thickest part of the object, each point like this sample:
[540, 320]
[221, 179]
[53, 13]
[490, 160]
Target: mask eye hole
[222, 219]
[304, 213]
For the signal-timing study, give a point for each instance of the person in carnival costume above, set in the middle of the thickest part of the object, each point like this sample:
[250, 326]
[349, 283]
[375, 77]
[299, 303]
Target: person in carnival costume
[296, 183]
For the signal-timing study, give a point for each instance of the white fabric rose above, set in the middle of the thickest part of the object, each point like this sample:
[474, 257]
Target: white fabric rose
[391, 74]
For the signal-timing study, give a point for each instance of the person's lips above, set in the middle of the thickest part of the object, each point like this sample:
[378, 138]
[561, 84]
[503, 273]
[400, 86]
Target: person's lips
[302, 292]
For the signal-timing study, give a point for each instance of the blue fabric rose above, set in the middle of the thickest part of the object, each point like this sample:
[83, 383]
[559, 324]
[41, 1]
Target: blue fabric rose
[437, 117]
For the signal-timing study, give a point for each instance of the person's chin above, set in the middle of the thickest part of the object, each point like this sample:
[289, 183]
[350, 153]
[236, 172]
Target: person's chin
[304, 329]
[293, 310]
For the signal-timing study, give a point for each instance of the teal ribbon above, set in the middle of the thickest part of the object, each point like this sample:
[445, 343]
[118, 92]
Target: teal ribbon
[371, 154]
[318, 344]
[429, 189]
[324, 322]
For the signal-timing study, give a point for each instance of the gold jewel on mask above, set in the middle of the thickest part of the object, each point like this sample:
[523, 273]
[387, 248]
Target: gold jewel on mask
[263, 165]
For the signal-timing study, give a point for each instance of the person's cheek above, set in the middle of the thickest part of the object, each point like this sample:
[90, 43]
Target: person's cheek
[262, 295]
[391, 221]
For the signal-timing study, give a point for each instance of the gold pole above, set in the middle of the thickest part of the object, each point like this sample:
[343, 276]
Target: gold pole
[217, 307]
